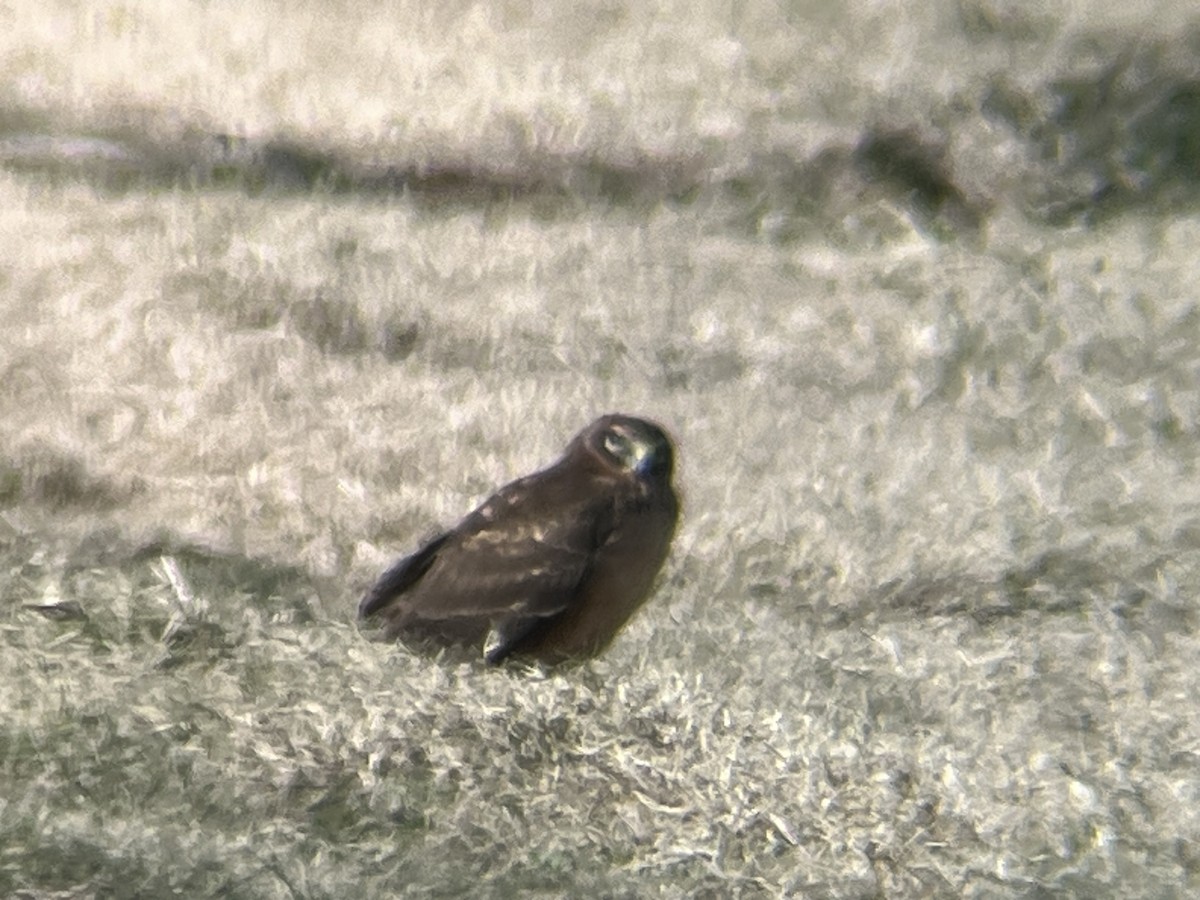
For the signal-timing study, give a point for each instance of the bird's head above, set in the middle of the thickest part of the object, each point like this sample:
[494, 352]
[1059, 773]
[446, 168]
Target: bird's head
[632, 445]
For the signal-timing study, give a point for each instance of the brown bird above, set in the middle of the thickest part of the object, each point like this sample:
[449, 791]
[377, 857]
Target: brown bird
[553, 564]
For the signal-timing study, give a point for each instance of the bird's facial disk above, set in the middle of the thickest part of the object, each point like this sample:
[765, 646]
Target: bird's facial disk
[636, 450]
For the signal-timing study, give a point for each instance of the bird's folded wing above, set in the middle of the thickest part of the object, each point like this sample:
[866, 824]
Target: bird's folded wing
[400, 577]
[512, 569]
[506, 571]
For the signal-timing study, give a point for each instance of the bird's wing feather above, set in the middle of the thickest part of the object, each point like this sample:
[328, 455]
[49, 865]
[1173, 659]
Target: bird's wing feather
[511, 564]
[400, 577]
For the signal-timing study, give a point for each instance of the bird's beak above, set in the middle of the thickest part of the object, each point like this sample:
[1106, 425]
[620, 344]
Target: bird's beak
[643, 458]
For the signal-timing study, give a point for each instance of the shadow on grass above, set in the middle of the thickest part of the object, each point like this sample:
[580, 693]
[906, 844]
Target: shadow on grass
[1098, 140]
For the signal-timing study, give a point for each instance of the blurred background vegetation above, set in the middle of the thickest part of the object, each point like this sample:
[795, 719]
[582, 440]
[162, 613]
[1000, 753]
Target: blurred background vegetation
[287, 286]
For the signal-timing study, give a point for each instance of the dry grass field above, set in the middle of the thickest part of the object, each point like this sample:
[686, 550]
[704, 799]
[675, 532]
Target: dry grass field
[286, 287]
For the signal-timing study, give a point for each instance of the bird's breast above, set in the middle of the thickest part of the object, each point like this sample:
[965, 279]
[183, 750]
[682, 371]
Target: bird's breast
[618, 582]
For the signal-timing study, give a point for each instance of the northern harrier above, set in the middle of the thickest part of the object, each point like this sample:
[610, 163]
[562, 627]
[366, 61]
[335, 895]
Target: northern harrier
[553, 564]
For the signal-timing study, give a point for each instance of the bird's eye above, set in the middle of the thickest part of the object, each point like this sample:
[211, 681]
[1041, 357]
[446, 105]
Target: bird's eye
[618, 447]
